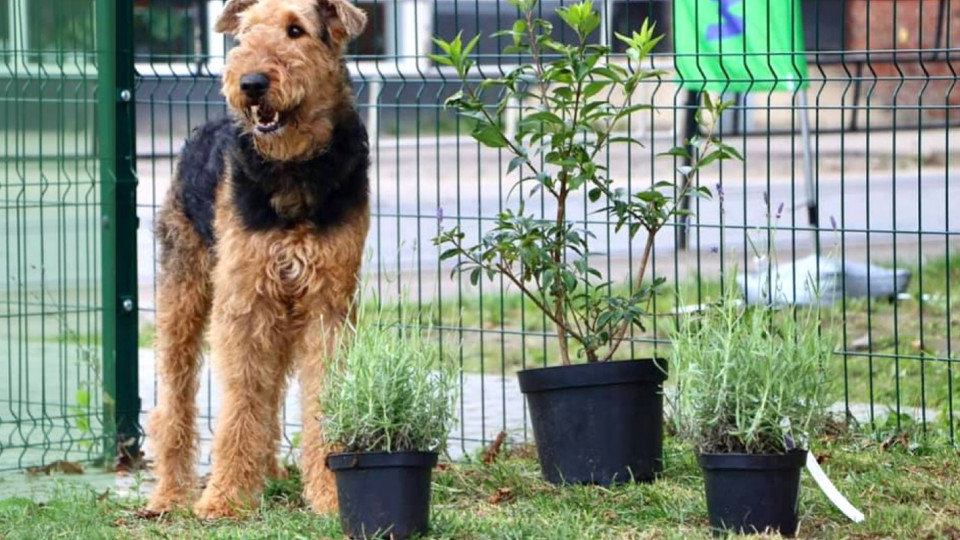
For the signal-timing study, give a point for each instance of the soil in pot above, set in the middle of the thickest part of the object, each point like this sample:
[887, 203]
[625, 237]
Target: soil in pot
[599, 423]
[383, 495]
[750, 493]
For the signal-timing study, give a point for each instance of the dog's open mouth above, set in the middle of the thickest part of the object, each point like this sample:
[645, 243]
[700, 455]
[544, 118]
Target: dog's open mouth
[265, 118]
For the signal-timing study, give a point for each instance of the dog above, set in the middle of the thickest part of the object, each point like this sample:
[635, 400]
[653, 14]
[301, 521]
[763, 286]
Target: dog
[261, 238]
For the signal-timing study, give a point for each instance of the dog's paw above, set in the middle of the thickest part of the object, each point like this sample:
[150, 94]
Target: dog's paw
[210, 507]
[163, 501]
[323, 503]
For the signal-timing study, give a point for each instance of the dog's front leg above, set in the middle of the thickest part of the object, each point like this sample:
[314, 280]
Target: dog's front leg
[317, 346]
[248, 346]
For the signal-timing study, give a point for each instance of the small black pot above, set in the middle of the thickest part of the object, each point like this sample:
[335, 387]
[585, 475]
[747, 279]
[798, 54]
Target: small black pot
[750, 493]
[383, 494]
[598, 423]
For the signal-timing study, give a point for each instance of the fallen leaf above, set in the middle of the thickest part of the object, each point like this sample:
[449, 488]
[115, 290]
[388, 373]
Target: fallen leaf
[902, 439]
[491, 454]
[62, 467]
[503, 494]
[823, 458]
[147, 514]
[120, 522]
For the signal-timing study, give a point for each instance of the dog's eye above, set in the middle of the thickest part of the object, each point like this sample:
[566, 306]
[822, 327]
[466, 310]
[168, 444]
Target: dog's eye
[294, 31]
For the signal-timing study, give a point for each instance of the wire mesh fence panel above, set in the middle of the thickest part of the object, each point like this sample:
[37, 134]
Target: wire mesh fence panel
[847, 176]
[879, 109]
[51, 402]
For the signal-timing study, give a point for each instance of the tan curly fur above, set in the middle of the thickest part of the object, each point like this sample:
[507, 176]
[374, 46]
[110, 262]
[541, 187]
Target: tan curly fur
[274, 299]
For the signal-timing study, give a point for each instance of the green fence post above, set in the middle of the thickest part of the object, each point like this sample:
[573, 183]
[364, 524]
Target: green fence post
[119, 249]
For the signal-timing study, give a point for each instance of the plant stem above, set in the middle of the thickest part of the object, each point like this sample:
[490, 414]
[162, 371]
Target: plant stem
[539, 303]
[560, 292]
[652, 230]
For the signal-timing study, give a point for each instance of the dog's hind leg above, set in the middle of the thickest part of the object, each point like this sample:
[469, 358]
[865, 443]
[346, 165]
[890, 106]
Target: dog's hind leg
[274, 466]
[183, 303]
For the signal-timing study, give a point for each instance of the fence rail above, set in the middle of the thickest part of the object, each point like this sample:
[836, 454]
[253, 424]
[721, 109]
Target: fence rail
[85, 166]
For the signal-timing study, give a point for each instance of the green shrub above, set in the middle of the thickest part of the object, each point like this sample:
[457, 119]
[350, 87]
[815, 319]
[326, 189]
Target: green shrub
[747, 378]
[570, 117]
[389, 389]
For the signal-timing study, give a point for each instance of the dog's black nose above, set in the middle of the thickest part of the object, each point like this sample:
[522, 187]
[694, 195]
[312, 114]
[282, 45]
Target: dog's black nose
[254, 85]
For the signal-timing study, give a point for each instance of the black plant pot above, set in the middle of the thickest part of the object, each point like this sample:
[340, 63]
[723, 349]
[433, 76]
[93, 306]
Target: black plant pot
[598, 423]
[750, 493]
[383, 494]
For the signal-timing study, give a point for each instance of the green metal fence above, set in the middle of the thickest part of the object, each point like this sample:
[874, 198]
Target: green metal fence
[883, 107]
[51, 323]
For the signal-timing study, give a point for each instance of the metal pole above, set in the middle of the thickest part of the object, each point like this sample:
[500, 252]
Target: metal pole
[118, 185]
[813, 209]
[690, 129]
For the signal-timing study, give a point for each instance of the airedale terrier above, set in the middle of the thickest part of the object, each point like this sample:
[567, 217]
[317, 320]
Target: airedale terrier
[262, 232]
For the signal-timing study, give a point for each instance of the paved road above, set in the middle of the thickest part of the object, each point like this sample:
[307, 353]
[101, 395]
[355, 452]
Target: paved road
[917, 207]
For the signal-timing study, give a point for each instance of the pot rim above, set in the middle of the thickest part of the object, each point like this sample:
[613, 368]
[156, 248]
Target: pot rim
[643, 370]
[793, 459]
[342, 461]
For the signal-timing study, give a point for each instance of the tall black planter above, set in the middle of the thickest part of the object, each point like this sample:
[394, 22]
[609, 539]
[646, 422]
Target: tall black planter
[598, 423]
[749, 493]
[383, 494]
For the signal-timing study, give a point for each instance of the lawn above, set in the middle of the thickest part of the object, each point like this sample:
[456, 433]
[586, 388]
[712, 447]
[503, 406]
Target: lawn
[906, 491]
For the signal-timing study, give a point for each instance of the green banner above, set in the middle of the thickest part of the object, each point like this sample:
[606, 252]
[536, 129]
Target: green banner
[739, 45]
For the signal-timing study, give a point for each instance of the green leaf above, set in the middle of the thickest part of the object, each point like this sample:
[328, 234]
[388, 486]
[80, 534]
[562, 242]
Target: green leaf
[731, 151]
[444, 45]
[516, 163]
[450, 253]
[677, 151]
[623, 113]
[489, 135]
[471, 45]
[546, 117]
[443, 60]
[629, 140]
[595, 87]
[83, 398]
[475, 276]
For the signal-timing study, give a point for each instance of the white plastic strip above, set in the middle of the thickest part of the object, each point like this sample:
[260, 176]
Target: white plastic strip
[828, 489]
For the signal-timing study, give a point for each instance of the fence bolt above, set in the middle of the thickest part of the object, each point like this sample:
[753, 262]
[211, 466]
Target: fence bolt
[125, 95]
[127, 304]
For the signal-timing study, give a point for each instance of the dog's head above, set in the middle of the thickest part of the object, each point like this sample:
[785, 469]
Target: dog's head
[285, 79]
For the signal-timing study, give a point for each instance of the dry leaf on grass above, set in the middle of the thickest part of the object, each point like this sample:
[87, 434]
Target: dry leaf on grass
[902, 439]
[148, 514]
[62, 467]
[503, 494]
[491, 454]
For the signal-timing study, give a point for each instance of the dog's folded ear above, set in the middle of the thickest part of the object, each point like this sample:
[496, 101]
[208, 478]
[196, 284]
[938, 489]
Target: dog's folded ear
[345, 20]
[229, 21]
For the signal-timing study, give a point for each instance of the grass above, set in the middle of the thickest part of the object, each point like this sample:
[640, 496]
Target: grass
[905, 491]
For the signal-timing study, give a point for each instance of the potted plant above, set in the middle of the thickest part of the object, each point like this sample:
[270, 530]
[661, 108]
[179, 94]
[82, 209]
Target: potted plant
[600, 421]
[751, 391]
[388, 406]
